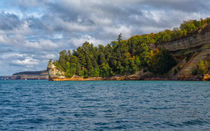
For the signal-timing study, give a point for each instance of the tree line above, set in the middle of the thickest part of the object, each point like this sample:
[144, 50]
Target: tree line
[124, 57]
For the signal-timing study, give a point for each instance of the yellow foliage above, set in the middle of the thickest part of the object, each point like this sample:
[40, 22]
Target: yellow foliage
[157, 51]
[204, 66]
[151, 53]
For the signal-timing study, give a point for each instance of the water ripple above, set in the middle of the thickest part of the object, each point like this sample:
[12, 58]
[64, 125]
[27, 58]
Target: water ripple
[104, 105]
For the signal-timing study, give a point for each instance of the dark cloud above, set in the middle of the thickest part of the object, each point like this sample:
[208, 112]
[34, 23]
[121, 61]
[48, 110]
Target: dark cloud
[9, 21]
[28, 4]
[183, 5]
[36, 24]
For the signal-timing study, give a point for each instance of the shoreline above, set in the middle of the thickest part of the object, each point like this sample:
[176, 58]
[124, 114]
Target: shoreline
[204, 78]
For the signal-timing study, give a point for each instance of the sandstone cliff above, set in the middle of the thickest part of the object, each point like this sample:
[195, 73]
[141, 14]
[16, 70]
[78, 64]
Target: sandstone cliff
[53, 72]
[197, 39]
[194, 48]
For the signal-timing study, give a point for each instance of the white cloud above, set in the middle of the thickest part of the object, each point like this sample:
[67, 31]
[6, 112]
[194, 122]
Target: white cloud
[12, 55]
[48, 56]
[3, 39]
[28, 62]
[150, 29]
[58, 36]
[101, 21]
[79, 41]
[41, 44]
[154, 15]
[125, 30]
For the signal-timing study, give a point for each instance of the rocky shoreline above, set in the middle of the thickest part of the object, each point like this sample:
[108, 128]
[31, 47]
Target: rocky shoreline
[121, 79]
[134, 77]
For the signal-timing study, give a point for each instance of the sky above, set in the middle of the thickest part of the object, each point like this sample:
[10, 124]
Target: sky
[34, 31]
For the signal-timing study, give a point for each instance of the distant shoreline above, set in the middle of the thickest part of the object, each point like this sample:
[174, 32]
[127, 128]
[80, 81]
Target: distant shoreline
[27, 75]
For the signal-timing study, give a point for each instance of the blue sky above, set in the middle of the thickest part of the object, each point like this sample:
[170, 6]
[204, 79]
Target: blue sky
[34, 31]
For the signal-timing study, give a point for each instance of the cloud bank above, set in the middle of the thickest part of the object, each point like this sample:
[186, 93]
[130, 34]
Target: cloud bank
[33, 31]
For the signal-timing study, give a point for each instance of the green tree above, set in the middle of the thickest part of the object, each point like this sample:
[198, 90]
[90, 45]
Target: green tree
[204, 66]
[145, 55]
[119, 38]
[122, 57]
[101, 59]
[105, 70]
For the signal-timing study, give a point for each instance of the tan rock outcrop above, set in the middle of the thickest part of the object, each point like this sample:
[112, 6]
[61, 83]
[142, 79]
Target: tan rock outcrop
[195, 40]
[186, 71]
[53, 72]
[199, 43]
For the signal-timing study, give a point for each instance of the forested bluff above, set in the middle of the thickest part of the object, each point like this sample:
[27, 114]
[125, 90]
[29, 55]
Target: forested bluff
[179, 54]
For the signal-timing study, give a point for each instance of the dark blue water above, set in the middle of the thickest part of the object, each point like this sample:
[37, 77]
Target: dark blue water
[104, 105]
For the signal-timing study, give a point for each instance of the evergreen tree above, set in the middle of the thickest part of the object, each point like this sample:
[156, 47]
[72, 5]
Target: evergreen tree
[123, 57]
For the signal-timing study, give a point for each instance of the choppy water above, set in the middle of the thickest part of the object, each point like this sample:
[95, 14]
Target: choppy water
[104, 105]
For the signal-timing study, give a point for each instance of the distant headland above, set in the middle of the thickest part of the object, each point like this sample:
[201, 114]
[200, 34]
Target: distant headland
[27, 75]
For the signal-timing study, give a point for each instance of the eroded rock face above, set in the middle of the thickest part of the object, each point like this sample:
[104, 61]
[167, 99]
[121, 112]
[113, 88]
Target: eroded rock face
[54, 72]
[200, 43]
[196, 40]
[186, 71]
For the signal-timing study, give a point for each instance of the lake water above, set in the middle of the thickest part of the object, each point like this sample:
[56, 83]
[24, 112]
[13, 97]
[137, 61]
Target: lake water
[104, 105]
